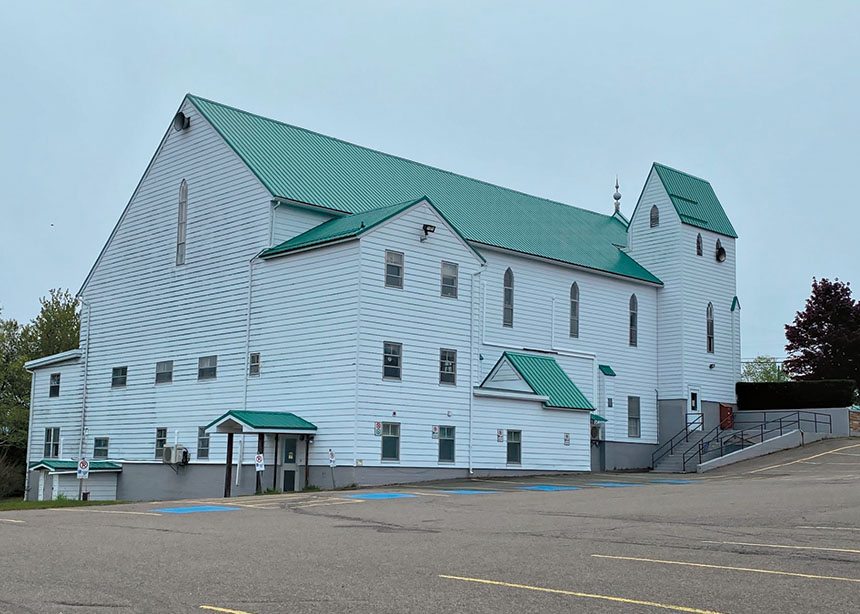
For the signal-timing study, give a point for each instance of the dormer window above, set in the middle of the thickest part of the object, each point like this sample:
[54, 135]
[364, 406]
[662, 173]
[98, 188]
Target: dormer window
[655, 216]
[699, 244]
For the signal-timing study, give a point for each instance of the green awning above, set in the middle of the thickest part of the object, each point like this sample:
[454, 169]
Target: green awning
[597, 418]
[606, 370]
[546, 378]
[53, 464]
[245, 421]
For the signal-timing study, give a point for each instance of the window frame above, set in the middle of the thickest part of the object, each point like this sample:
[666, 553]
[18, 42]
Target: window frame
[443, 361]
[451, 433]
[519, 447]
[637, 419]
[254, 364]
[54, 388]
[203, 371]
[119, 377]
[159, 375]
[203, 435]
[654, 216]
[385, 436]
[574, 310]
[182, 224]
[710, 342]
[51, 443]
[508, 299]
[105, 447]
[456, 278]
[398, 355]
[633, 337]
[160, 441]
[389, 254]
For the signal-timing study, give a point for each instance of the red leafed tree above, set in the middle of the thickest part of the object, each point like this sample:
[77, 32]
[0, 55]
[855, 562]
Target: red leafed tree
[824, 340]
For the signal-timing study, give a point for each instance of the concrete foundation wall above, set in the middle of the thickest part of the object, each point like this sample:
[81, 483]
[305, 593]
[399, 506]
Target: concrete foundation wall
[838, 417]
[625, 456]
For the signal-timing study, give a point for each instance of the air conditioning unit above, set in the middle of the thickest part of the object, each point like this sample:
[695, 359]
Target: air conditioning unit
[173, 455]
[597, 432]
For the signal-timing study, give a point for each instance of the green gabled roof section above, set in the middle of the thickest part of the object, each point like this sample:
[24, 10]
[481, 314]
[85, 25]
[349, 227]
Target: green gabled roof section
[308, 167]
[606, 370]
[266, 420]
[736, 304]
[53, 464]
[695, 201]
[546, 377]
[598, 418]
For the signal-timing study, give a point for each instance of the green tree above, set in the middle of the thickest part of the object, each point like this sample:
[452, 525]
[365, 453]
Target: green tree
[56, 329]
[763, 369]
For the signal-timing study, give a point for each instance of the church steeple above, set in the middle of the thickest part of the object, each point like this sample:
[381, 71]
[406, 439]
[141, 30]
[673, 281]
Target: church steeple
[617, 196]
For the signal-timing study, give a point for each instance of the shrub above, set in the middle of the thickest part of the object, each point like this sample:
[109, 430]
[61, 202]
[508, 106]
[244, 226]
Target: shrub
[806, 394]
[11, 478]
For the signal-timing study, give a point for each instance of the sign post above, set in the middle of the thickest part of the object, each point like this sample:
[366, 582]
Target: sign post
[83, 474]
[259, 463]
[332, 463]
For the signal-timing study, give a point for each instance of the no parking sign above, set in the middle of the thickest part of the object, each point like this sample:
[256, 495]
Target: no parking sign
[83, 469]
[259, 463]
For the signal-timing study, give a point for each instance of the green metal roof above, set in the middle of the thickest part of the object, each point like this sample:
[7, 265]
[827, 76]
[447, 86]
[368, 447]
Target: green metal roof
[54, 464]
[304, 166]
[266, 420]
[598, 418]
[606, 370]
[695, 201]
[546, 377]
[736, 304]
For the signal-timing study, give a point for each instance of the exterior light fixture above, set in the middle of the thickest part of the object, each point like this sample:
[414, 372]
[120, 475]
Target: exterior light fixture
[427, 228]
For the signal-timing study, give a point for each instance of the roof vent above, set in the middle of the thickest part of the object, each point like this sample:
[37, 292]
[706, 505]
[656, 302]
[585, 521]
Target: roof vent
[181, 121]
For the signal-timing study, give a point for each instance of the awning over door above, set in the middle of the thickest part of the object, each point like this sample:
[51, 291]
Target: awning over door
[244, 421]
[53, 465]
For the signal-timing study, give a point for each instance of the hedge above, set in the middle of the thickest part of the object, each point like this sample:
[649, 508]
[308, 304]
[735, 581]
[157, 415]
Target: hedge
[795, 395]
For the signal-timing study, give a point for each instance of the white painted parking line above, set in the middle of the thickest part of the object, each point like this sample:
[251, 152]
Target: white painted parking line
[11, 520]
[830, 528]
[785, 547]
[89, 509]
[427, 494]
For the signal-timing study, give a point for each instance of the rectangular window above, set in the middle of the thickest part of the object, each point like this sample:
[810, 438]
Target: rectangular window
[448, 367]
[207, 367]
[633, 421]
[160, 441]
[393, 269]
[254, 364]
[52, 442]
[54, 390]
[446, 444]
[100, 447]
[390, 441]
[164, 372]
[449, 279]
[391, 360]
[515, 447]
[118, 377]
[202, 443]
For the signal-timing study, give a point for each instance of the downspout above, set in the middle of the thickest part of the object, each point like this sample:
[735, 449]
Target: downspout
[29, 434]
[247, 364]
[86, 372]
[357, 357]
[472, 357]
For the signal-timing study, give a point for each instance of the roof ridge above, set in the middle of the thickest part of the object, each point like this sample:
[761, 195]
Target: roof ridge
[666, 166]
[411, 161]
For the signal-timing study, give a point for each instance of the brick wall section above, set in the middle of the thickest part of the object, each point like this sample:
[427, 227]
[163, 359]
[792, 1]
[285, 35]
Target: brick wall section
[854, 420]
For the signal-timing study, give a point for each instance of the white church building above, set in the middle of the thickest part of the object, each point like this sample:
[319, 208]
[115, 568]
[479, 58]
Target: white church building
[363, 318]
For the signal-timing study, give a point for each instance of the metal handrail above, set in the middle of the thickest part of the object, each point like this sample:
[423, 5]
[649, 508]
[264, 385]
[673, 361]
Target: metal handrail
[685, 434]
[790, 419]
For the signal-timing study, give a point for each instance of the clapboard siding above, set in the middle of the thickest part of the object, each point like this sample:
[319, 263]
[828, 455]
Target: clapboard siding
[659, 250]
[100, 485]
[145, 308]
[541, 322]
[63, 411]
[418, 317]
[304, 313]
[289, 221]
[707, 280]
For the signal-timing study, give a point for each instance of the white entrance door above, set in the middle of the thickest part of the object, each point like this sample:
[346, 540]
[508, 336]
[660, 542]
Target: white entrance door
[695, 419]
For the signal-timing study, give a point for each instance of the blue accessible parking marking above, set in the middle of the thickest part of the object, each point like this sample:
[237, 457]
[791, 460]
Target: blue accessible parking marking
[674, 481]
[463, 491]
[548, 488]
[380, 495]
[613, 484]
[196, 508]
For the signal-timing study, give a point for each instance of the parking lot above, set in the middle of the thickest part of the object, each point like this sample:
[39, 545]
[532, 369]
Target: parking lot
[776, 534]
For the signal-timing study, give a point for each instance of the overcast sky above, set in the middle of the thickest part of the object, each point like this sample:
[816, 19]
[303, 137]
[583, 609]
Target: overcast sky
[552, 98]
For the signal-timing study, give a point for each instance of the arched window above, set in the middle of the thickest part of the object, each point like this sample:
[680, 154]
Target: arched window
[574, 310]
[508, 310]
[181, 223]
[655, 216]
[710, 327]
[699, 244]
[634, 321]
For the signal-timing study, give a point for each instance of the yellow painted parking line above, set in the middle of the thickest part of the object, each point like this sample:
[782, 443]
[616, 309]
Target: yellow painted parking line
[341, 502]
[727, 567]
[830, 528]
[215, 609]
[800, 460]
[427, 494]
[784, 546]
[654, 604]
[498, 481]
[11, 520]
[87, 509]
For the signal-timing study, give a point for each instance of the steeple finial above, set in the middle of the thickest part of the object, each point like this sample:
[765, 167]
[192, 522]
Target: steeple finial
[617, 196]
